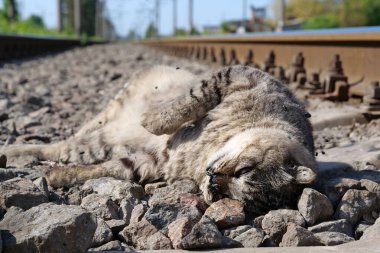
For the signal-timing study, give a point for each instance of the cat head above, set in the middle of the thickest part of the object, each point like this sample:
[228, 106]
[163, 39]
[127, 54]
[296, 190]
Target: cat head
[264, 168]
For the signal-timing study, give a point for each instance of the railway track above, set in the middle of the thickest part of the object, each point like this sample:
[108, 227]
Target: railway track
[21, 46]
[334, 64]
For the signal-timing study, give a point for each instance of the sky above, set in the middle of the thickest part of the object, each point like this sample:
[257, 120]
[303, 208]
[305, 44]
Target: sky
[135, 15]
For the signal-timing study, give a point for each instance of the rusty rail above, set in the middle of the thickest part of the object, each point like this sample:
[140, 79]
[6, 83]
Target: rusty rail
[333, 64]
[20, 46]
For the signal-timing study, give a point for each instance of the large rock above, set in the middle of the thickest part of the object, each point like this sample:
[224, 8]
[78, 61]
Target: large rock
[355, 204]
[21, 193]
[296, 236]
[178, 229]
[101, 205]
[109, 246]
[335, 188]
[251, 238]
[193, 200]
[373, 231]
[236, 231]
[171, 194]
[333, 238]
[205, 235]
[143, 235]
[360, 228]
[49, 228]
[275, 222]
[135, 232]
[102, 235]
[161, 215]
[137, 213]
[341, 226]
[149, 188]
[370, 186]
[314, 206]
[226, 213]
[157, 241]
[126, 208]
[116, 189]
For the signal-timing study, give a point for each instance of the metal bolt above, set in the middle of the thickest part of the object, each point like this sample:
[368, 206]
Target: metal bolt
[212, 55]
[222, 57]
[233, 58]
[205, 53]
[249, 57]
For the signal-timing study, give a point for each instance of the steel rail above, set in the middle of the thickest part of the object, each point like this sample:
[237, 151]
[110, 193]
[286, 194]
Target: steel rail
[21, 46]
[359, 51]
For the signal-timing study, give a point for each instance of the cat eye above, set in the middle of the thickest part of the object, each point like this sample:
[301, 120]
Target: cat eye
[243, 171]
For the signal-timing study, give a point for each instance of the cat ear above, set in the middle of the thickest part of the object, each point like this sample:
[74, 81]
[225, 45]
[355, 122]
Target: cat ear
[304, 175]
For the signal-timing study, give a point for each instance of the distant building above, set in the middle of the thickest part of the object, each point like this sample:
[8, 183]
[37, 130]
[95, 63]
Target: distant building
[257, 22]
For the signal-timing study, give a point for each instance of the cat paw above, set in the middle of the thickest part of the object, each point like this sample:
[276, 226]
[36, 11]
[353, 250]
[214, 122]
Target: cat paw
[157, 122]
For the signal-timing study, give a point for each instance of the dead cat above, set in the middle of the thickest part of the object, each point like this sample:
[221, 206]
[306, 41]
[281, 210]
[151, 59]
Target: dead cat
[240, 133]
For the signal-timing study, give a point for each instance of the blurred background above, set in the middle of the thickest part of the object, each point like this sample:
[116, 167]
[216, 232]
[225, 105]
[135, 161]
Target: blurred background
[139, 19]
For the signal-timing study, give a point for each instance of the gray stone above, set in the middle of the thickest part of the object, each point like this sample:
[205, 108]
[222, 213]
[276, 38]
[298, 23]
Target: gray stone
[157, 241]
[42, 185]
[109, 246]
[12, 211]
[275, 222]
[49, 228]
[333, 238]
[101, 205]
[143, 235]
[178, 229]
[335, 188]
[296, 236]
[226, 213]
[76, 197]
[314, 206]
[137, 213]
[20, 192]
[116, 225]
[116, 189]
[161, 215]
[126, 209]
[371, 186]
[236, 231]
[134, 233]
[251, 238]
[341, 226]
[205, 235]
[102, 235]
[171, 194]
[149, 188]
[360, 228]
[355, 204]
[193, 200]
[373, 232]
[257, 222]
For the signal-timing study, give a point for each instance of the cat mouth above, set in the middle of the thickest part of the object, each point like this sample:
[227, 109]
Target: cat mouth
[217, 184]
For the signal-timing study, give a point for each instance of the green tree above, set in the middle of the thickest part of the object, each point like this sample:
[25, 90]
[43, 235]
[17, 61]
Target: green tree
[360, 13]
[180, 32]
[329, 20]
[151, 31]
[10, 10]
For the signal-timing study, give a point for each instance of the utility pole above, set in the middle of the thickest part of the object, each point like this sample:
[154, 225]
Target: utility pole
[157, 17]
[60, 15]
[77, 16]
[243, 16]
[98, 19]
[174, 16]
[190, 16]
[281, 19]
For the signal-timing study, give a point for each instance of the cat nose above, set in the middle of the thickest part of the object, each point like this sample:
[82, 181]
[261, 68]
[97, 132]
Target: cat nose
[221, 180]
